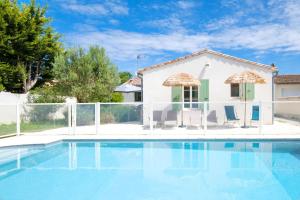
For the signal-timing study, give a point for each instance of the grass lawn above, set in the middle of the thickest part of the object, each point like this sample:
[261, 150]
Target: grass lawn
[6, 129]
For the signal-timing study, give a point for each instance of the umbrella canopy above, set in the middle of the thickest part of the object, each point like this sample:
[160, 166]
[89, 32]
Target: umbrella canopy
[127, 88]
[246, 77]
[181, 79]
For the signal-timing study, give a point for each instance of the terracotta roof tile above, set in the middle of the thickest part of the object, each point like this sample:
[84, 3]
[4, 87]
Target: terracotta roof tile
[136, 81]
[287, 79]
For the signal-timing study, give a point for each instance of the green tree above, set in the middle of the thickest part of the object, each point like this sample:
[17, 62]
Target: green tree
[28, 44]
[125, 76]
[117, 97]
[88, 75]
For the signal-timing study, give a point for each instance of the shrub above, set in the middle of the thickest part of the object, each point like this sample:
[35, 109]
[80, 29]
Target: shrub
[41, 113]
[85, 114]
[121, 113]
[117, 97]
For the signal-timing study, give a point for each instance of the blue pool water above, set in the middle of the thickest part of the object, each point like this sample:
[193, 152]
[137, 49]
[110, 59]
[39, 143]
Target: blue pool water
[151, 171]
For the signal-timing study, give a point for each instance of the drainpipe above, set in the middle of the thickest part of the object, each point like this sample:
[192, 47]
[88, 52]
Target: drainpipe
[141, 77]
[274, 74]
[142, 95]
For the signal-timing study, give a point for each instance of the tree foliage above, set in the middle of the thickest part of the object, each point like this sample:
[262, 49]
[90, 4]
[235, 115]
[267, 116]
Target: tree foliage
[117, 97]
[46, 94]
[88, 75]
[27, 45]
[125, 76]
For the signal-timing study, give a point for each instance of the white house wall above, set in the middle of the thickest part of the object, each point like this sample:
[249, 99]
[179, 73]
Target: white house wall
[287, 106]
[128, 96]
[8, 112]
[292, 87]
[219, 70]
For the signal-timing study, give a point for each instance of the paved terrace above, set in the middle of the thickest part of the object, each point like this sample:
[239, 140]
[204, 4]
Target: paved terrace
[281, 130]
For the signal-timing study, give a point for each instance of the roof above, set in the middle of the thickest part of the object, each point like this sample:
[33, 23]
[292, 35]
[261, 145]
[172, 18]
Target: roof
[136, 81]
[153, 67]
[287, 79]
[125, 87]
[132, 85]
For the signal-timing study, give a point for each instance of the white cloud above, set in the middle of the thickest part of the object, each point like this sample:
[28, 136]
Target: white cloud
[269, 36]
[104, 8]
[114, 22]
[186, 4]
[122, 45]
[222, 23]
[170, 24]
[92, 9]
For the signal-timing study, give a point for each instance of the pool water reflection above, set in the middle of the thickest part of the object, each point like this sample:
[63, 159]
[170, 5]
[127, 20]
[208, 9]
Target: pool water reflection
[152, 170]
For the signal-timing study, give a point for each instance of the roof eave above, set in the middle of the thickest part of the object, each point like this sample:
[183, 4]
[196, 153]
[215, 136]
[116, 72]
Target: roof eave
[153, 67]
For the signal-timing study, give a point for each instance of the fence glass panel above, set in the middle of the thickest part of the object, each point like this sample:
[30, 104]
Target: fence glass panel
[286, 118]
[8, 119]
[85, 118]
[177, 115]
[44, 118]
[233, 117]
[115, 117]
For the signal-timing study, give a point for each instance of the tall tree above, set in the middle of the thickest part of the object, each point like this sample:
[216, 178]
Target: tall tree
[88, 75]
[27, 44]
[125, 76]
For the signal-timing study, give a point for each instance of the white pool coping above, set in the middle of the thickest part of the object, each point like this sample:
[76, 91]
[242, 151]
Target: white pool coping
[47, 139]
[281, 130]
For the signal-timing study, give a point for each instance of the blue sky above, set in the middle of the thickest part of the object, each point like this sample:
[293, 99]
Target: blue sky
[265, 31]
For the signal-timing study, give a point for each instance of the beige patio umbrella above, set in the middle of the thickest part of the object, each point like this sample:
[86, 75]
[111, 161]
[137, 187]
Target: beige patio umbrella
[245, 77]
[181, 79]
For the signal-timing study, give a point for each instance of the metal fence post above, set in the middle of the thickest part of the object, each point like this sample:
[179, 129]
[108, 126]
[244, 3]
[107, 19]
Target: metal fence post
[18, 120]
[97, 117]
[205, 118]
[70, 118]
[74, 114]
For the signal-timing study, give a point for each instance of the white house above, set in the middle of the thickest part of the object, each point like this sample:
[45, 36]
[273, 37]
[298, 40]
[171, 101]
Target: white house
[287, 87]
[211, 68]
[287, 91]
[131, 90]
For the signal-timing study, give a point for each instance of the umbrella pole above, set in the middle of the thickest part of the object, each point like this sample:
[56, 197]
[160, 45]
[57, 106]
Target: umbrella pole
[182, 106]
[245, 109]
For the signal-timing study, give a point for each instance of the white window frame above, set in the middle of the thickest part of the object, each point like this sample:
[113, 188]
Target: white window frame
[190, 102]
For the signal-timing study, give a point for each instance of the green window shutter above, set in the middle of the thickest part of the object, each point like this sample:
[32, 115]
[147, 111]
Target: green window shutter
[176, 97]
[250, 91]
[204, 90]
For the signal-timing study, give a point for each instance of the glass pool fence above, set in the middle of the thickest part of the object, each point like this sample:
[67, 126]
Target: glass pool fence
[237, 117]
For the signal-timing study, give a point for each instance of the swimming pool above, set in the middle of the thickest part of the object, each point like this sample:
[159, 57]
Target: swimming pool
[170, 170]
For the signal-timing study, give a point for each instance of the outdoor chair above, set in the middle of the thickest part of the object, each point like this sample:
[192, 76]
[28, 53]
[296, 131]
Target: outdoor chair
[171, 119]
[230, 115]
[212, 118]
[195, 119]
[157, 118]
[255, 114]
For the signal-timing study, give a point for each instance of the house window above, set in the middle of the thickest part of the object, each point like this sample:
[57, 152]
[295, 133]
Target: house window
[235, 90]
[190, 95]
[137, 96]
[290, 92]
[194, 96]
